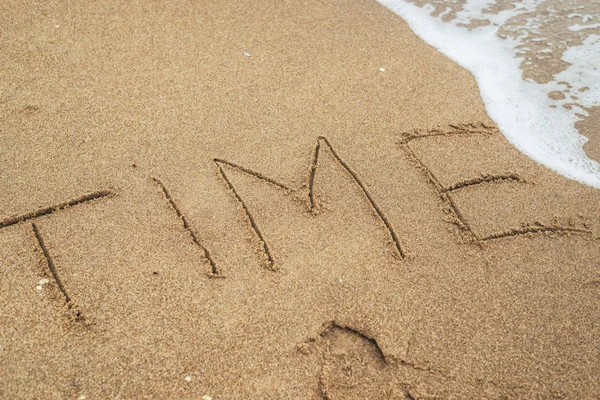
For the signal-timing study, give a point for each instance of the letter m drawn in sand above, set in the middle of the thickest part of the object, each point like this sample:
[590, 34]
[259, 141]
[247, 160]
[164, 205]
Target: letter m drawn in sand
[322, 143]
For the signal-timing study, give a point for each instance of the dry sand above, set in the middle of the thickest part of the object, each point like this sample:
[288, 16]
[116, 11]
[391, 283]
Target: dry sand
[365, 233]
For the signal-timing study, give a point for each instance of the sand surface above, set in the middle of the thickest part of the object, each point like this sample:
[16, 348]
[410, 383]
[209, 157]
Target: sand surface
[589, 128]
[232, 199]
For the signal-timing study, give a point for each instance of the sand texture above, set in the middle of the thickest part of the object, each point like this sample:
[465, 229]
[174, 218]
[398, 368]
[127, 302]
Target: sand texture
[231, 199]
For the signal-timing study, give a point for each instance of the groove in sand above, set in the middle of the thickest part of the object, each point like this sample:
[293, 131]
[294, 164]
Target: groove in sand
[446, 196]
[311, 197]
[50, 262]
[535, 229]
[188, 227]
[52, 209]
[500, 178]
[78, 316]
[255, 228]
[363, 188]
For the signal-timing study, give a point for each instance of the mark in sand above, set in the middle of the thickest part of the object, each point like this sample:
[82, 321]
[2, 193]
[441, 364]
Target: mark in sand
[357, 346]
[52, 267]
[42, 245]
[535, 228]
[510, 177]
[214, 272]
[445, 193]
[57, 207]
[220, 163]
[351, 359]
[361, 185]
[267, 251]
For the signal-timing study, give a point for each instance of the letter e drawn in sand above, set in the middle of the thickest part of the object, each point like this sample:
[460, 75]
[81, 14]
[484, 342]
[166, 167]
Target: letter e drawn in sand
[321, 141]
[445, 193]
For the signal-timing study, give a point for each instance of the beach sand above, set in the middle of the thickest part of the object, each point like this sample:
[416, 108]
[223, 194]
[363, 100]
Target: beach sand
[267, 199]
[589, 128]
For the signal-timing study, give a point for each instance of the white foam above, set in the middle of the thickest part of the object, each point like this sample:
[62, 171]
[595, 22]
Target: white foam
[585, 18]
[577, 27]
[584, 72]
[520, 108]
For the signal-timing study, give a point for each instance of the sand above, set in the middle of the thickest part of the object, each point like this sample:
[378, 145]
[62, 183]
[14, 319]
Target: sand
[589, 128]
[234, 200]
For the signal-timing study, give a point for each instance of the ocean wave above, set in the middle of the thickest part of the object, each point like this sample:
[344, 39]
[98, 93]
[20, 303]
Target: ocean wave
[537, 64]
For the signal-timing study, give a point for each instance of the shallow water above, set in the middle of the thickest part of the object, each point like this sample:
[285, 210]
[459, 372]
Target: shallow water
[537, 64]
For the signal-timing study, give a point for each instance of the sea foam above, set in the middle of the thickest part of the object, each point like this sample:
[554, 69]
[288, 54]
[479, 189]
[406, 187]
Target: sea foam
[539, 125]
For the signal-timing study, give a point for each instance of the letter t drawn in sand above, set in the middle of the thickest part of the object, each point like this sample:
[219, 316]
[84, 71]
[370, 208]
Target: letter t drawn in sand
[41, 243]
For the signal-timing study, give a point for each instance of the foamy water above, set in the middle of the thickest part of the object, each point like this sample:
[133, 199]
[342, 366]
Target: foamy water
[537, 64]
